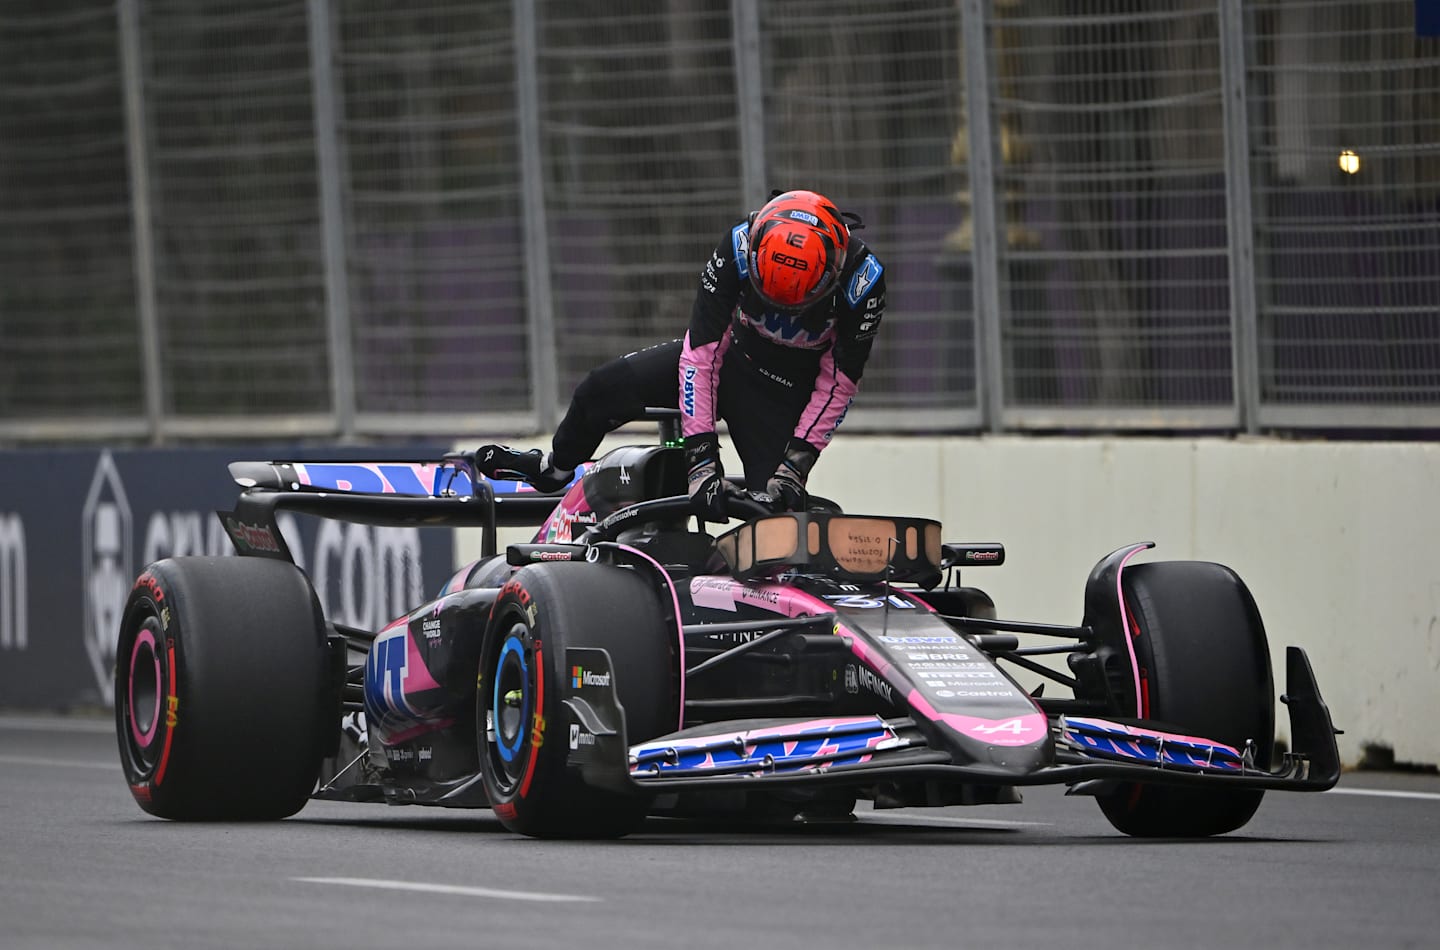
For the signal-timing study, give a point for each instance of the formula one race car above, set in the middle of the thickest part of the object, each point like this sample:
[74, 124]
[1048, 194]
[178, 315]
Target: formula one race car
[626, 664]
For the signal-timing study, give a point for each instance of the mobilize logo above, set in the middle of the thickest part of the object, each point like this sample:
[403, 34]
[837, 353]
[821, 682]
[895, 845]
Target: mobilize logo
[579, 676]
[14, 608]
[579, 737]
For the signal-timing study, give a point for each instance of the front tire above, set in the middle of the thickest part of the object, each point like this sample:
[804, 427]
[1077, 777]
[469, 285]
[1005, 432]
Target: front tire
[1204, 667]
[522, 720]
[219, 689]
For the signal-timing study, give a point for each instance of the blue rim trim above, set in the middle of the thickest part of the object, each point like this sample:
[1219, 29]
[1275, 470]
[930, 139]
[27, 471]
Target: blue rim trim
[508, 753]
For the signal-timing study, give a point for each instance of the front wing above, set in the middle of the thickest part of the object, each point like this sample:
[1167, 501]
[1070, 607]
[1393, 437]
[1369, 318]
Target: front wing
[1090, 754]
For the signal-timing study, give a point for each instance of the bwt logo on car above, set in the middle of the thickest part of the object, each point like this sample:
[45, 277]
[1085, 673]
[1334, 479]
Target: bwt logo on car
[14, 605]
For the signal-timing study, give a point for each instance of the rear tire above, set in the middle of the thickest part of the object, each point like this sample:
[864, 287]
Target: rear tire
[1204, 670]
[523, 680]
[219, 689]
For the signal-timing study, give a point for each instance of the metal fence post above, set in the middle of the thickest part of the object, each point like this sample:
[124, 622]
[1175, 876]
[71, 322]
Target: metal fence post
[329, 180]
[1240, 217]
[132, 78]
[984, 213]
[750, 100]
[540, 304]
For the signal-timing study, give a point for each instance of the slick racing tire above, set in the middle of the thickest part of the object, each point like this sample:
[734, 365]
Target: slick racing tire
[219, 683]
[1204, 671]
[524, 678]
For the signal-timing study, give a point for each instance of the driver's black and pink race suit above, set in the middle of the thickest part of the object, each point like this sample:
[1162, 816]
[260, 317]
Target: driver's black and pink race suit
[771, 376]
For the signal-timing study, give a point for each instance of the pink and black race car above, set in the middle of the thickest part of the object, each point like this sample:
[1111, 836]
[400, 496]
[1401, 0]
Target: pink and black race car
[627, 664]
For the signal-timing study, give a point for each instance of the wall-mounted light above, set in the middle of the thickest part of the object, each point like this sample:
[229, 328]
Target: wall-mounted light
[1349, 162]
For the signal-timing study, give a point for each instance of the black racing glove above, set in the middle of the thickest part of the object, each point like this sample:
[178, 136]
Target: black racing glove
[787, 485]
[706, 477]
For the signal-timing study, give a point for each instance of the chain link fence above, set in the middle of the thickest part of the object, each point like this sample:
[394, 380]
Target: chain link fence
[357, 219]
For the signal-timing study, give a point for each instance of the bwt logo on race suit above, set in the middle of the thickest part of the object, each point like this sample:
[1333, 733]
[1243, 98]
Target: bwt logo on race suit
[687, 400]
[364, 576]
[14, 601]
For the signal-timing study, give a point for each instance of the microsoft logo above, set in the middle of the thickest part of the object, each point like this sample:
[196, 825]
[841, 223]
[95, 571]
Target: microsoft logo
[579, 676]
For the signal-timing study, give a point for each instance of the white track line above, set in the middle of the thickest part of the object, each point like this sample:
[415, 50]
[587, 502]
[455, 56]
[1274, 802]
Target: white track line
[64, 763]
[449, 889]
[1386, 793]
[977, 823]
[57, 724]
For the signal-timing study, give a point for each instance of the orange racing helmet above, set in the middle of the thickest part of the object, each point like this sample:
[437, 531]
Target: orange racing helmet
[798, 242]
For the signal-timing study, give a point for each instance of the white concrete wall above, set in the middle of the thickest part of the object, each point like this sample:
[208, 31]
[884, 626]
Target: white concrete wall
[1337, 542]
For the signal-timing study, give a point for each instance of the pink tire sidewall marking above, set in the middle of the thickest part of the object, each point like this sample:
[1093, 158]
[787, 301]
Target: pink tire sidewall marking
[145, 638]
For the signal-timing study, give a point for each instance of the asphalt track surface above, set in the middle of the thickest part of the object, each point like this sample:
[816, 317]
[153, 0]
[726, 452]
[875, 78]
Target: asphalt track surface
[82, 867]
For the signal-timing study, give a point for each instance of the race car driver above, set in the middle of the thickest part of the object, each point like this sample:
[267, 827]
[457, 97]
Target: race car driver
[784, 319]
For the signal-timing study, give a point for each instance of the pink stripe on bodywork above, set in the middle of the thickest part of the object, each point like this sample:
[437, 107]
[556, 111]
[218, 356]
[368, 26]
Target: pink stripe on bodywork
[559, 528]
[457, 583]
[679, 627]
[419, 730]
[417, 677]
[1125, 625]
[807, 726]
[1026, 729]
[724, 593]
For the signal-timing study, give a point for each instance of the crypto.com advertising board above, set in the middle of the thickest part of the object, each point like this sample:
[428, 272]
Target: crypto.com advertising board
[77, 526]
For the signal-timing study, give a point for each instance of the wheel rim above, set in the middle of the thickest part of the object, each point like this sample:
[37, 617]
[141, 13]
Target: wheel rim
[144, 689]
[510, 707]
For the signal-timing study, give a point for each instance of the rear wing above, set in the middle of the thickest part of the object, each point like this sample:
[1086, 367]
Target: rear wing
[389, 493]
